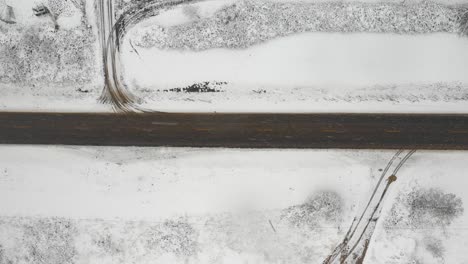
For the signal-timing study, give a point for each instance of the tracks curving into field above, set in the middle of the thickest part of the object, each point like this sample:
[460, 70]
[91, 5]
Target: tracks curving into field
[356, 242]
[112, 31]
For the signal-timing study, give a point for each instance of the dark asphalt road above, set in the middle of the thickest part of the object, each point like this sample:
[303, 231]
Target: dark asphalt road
[360, 131]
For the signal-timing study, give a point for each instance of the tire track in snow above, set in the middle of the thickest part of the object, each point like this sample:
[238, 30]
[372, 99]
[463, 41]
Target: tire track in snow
[343, 253]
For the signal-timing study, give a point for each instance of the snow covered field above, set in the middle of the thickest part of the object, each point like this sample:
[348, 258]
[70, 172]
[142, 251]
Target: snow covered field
[46, 69]
[160, 205]
[392, 58]
[177, 205]
[310, 72]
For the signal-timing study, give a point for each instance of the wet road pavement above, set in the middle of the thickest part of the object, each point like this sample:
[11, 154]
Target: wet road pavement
[361, 131]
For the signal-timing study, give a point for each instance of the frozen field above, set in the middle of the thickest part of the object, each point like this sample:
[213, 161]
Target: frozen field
[280, 56]
[159, 205]
[178, 205]
[309, 72]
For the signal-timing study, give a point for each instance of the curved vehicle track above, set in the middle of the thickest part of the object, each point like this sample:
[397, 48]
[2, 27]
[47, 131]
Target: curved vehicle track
[356, 242]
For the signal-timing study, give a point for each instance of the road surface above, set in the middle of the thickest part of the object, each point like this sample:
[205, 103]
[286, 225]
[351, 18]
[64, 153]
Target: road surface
[358, 131]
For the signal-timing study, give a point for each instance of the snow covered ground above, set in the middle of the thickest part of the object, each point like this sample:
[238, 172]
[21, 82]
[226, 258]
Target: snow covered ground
[177, 205]
[43, 68]
[310, 72]
[417, 62]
